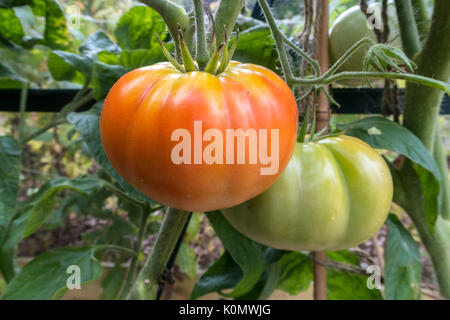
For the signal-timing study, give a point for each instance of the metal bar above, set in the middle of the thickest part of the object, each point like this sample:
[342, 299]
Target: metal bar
[352, 100]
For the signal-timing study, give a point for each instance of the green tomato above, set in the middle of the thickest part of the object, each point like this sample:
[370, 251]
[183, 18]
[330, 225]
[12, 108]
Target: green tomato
[350, 27]
[334, 194]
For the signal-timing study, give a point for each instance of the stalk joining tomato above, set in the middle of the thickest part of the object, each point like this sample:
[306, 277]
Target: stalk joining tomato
[147, 105]
[334, 194]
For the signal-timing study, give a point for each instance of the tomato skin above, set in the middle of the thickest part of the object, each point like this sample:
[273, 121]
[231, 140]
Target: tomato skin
[349, 28]
[146, 105]
[334, 194]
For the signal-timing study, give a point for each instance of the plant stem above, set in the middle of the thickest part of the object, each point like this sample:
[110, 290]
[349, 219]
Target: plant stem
[408, 27]
[202, 55]
[347, 56]
[60, 119]
[278, 38]
[42, 130]
[114, 247]
[147, 284]
[414, 78]
[122, 195]
[226, 15]
[438, 243]
[173, 14]
[131, 275]
[22, 108]
[441, 161]
[420, 116]
[421, 17]
[422, 104]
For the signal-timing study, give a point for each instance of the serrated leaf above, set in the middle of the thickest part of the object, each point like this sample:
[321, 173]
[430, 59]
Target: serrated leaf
[64, 65]
[403, 264]
[98, 42]
[394, 137]
[137, 27]
[256, 45]
[45, 277]
[88, 125]
[296, 273]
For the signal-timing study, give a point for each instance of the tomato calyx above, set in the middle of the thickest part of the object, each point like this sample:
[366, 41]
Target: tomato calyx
[217, 64]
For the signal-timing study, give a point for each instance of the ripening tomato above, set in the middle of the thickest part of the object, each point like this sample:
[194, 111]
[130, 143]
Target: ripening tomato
[350, 27]
[334, 194]
[197, 141]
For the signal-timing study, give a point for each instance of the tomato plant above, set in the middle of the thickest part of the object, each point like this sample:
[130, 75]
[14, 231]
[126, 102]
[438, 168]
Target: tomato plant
[115, 181]
[334, 194]
[145, 107]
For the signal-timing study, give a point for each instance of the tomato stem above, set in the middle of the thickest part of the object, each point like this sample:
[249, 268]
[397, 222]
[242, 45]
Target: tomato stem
[202, 55]
[304, 127]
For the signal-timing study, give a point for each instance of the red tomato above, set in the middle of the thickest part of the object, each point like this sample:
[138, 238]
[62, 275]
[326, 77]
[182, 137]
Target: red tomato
[147, 105]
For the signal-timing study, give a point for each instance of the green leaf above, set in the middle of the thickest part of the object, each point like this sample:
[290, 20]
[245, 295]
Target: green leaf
[193, 227]
[10, 159]
[46, 277]
[222, 274]
[381, 56]
[137, 27]
[88, 125]
[382, 133]
[112, 283]
[64, 65]
[245, 252]
[186, 260]
[104, 76]
[9, 79]
[13, 3]
[42, 203]
[296, 273]
[10, 26]
[98, 42]
[346, 286]
[403, 263]
[56, 34]
[256, 45]
[137, 58]
[226, 274]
